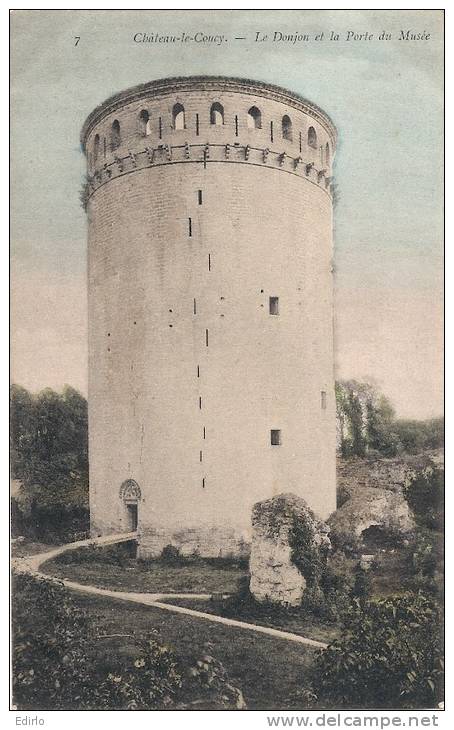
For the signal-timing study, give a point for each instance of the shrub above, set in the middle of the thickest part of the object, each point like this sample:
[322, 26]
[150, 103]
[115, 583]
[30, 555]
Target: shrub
[50, 646]
[150, 682]
[425, 497]
[171, 554]
[209, 677]
[54, 665]
[418, 435]
[390, 655]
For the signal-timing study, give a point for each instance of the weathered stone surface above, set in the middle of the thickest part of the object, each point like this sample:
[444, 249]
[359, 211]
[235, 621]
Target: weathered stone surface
[209, 542]
[383, 473]
[274, 577]
[370, 508]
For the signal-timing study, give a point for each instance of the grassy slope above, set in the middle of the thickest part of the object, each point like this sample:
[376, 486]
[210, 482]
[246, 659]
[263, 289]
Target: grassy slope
[293, 621]
[150, 577]
[268, 671]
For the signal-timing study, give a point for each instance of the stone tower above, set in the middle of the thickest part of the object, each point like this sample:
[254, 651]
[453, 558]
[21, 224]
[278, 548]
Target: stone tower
[210, 309]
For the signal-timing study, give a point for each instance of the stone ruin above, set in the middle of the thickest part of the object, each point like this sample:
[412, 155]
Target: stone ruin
[275, 578]
[379, 509]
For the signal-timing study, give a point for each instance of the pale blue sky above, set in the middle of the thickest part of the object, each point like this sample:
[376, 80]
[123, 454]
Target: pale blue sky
[386, 99]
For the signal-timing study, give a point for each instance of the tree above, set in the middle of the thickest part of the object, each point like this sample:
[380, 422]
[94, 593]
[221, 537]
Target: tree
[380, 426]
[418, 435]
[49, 448]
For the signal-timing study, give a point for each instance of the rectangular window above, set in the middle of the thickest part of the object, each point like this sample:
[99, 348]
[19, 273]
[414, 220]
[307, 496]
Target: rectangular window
[200, 402]
[201, 456]
[323, 399]
[206, 337]
[197, 124]
[203, 483]
[190, 227]
[236, 126]
[275, 437]
[199, 193]
[160, 128]
[271, 132]
[209, 262]
[204, 432]
[195, 306]
[274, 305]
[198, 371]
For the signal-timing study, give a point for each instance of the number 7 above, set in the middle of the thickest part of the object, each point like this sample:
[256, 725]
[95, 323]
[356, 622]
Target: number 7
[77, 39]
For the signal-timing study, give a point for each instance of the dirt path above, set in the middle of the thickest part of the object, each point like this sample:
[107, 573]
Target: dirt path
[32, 564]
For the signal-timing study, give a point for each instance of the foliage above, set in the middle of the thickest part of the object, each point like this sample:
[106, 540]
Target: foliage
[307, 554]
[425, 496]
[390, 655]
[170, 554]
[99, 554]
[350, 418]
[330, 579]
[367, 423]
[56, 664]
[51, 642]
[53, 661]
[418, 435]
[49, 449]
[209, 675]
[380, 426]
[150, 682]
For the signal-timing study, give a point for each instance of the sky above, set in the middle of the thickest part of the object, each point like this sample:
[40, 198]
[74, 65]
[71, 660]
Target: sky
[386, 99]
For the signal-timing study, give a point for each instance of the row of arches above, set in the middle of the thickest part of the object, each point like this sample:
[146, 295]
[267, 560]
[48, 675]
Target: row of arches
[253, 121]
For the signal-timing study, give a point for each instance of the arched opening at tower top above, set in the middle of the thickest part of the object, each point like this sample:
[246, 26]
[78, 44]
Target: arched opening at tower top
[312, 137]
[96, 145]
[287, 128]
[144, 123]
[217, 114]
[115, 135]
[178, 117]
[254, 118]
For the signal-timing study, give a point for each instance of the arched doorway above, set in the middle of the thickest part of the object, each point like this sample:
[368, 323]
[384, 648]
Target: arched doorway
[130, 495]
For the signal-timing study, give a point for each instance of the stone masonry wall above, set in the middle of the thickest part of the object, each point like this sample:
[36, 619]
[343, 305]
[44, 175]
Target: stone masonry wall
[188, 370]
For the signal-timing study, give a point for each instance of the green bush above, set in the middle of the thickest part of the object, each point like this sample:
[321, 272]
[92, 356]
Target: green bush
[424, 564]
[389, 655]
[54, 664]
[418, 435]
[49, 457]
[150, 682]
[51, 641]
[171, 554]
[425, 497]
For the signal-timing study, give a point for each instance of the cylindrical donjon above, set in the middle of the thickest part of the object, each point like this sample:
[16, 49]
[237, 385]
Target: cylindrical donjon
[210, 309]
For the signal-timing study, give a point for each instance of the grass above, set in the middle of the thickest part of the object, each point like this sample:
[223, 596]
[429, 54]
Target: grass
[295, 621]
[112, 568]
[151, 576]
[26, 547]
[270, 672]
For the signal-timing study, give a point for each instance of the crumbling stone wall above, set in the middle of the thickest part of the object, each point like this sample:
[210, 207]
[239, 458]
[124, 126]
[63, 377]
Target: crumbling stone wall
[392, 474]
[368, 508]
[279, 555]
